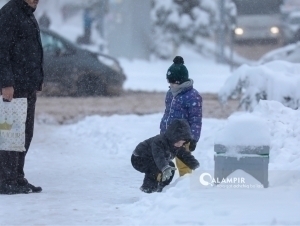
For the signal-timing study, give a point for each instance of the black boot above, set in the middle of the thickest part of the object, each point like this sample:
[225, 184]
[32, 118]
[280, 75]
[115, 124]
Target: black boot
[161, 186]
[24, 183]
[149, 184]
[13, 188]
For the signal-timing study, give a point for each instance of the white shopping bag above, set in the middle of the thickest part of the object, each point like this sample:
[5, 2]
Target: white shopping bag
[12, 124]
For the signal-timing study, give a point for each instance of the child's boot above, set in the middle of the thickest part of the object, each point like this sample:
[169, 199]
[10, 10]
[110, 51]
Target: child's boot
[150, 184]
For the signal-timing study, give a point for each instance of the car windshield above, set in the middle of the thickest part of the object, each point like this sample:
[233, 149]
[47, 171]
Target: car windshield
[51, 43]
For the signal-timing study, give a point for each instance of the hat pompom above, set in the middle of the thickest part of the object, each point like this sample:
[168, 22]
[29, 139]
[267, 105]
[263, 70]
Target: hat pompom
[178, 60]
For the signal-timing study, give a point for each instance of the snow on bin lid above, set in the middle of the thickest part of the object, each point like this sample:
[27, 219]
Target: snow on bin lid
[244, 129]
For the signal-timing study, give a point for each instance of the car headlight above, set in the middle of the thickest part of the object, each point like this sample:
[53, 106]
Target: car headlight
[239, 31]
[274, 30]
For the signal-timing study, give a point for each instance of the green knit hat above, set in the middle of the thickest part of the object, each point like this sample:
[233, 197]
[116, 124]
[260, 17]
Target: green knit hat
[177, 73]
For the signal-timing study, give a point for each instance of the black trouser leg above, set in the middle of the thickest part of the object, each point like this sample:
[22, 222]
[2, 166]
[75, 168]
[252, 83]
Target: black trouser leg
[8, 166]
[29, 127]
[145, 165]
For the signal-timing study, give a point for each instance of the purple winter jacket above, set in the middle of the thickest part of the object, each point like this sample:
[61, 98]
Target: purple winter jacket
[186, 105]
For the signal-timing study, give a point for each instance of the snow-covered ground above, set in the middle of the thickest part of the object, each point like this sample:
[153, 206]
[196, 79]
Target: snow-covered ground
[87, 177]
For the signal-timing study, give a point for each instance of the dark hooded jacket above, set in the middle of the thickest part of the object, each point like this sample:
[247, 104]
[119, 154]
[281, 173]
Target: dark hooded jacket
[21, 52]
[161, 147]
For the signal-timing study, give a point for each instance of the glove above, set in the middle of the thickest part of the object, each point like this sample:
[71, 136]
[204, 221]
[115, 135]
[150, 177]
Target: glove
[193, 145]
[167, 173]
[188, 159]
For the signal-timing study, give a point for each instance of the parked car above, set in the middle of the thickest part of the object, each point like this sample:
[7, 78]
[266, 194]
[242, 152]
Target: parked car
[291, 28]
[73, 71]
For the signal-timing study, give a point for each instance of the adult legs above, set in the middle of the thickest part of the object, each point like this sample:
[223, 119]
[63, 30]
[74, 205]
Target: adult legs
[12, 179]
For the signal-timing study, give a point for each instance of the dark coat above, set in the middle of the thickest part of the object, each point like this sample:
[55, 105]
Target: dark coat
[186, 105]
[161, 147]
[21, 51]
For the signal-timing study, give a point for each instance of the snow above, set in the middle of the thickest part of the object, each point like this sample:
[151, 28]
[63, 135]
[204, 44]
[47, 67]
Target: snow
[284, 126]
[87, 178]
[288, 53]
[276, 80]
[244, 129]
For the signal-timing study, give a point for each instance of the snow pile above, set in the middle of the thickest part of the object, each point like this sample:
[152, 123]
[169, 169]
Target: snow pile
[270, 123]
[245, 130]
[276, 80]
[289, 53]
[181, 204]
[284, 126]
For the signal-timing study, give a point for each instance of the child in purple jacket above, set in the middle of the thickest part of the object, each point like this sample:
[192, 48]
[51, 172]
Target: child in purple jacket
[182, 102]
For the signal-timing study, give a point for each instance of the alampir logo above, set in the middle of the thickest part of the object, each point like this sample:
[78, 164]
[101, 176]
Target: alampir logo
[207, 179]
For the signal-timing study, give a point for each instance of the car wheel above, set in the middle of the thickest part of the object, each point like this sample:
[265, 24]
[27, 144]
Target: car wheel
[90, 85]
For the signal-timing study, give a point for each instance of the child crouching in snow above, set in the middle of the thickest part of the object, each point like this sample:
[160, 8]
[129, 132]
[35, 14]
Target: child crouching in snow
[154, 156]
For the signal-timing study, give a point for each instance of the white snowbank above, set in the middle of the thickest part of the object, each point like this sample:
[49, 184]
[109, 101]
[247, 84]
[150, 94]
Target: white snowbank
[244, 130]
[179, 204]
[276, 80]
[290, 53]
[284, 126]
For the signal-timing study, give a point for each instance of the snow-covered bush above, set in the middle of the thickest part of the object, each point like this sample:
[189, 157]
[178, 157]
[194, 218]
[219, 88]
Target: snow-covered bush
[276, 80]
[179, 22]
[193, 22]
[289, 53]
